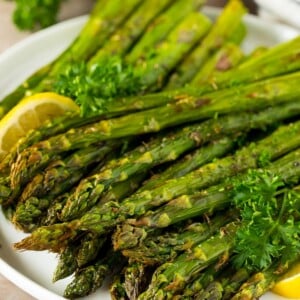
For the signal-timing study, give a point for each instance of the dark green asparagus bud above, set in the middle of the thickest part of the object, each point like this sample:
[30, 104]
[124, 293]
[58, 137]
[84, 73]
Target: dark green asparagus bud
[173, 276]
[90, 278]
[66, 263]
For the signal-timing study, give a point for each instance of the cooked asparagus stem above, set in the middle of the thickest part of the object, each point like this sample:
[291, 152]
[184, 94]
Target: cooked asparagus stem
[257, 96]
[173, 276]
[136, 277]
[90, 278]
[66, 263]
[161, 27]
[232, 14]
[154, 69]
[158, 248]
[224, 59]
[90, 246]
[261, 282]
[191, 161]
[125, 37]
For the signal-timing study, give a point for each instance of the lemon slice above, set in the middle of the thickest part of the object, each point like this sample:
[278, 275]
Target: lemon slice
[29, 114]
[289, 285]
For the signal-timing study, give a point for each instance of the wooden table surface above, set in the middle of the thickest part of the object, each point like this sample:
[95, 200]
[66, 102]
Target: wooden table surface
[9, 35]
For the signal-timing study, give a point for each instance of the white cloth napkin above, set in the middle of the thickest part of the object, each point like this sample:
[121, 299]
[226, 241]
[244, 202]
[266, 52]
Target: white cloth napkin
[286, 11]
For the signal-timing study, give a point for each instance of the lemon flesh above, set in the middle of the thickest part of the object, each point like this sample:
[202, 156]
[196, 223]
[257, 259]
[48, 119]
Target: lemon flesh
[289, 285]
[29, 114]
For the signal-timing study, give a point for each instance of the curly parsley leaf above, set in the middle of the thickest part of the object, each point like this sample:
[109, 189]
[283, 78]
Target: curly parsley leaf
[92, 87]
[31, 14]
[269, 230]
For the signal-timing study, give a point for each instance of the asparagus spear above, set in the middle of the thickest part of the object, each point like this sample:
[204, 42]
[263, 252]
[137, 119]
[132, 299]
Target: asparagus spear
[125, 37]
[117, 288]
[167, 54]
[161, 27]
[201, 281]
[158, 248]
[136, 277]
[90, 278]
[66, 263]
[101, 219]
[257, 96]
[261, 282]
[171, 277]
[191, 161]
[231, 14]
[224, 59]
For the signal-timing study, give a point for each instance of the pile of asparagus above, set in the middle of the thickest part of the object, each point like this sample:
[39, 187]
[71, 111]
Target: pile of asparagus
[145, 191]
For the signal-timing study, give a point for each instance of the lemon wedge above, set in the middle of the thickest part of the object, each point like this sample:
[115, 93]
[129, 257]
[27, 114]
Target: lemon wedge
[29, 114]
[289, 285]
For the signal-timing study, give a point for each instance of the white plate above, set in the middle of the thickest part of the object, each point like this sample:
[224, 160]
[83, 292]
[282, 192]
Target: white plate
[32, 271]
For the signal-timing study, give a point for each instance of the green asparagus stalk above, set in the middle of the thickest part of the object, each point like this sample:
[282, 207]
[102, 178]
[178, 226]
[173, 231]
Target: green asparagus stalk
[136, 277]
[117, 288]
[261, 282]
[101, 219]
[159, 248]
[48, 128]
[224, 59]
[78, 254]
[59, 176]
[256, 96]
[191, 161]
[125, 37]
[173, 276]
[90, 278]
[154, 69]
[212, 292]
[161, 27]
[232, 284]
[201, 281]
[66, 262]
[122, 189]
[231, 14]
[53, 211]
[90, 246]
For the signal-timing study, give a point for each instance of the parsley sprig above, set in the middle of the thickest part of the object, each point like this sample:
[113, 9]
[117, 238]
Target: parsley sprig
[270, 228]
[92, 87]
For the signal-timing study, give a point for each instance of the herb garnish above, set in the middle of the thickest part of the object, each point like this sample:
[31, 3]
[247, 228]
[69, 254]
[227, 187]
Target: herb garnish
[91, 87]
[270, 228]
